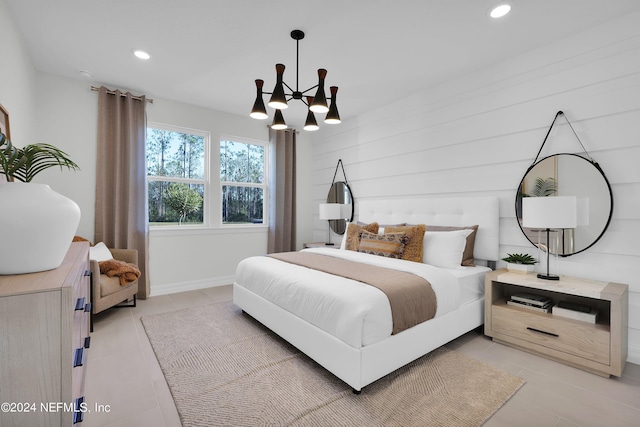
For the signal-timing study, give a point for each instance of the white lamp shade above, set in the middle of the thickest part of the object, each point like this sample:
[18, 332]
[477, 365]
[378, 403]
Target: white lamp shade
[549, 212]
[583, 211]
[345, 210]
[330, 211]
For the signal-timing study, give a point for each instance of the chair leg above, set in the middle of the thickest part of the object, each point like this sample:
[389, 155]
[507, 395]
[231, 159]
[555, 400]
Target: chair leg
[133, 304]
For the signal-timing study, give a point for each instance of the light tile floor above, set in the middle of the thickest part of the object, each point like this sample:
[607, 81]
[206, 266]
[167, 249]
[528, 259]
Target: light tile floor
[125, 380]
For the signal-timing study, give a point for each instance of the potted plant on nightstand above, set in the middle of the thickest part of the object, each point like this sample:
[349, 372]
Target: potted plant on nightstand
[37, 224]
[520, 263]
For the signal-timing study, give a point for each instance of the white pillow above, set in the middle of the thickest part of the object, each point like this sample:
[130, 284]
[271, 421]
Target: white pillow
[444, 248]
[100, 252]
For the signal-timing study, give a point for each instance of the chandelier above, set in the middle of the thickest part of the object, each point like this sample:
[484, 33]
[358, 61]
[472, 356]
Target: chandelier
[279, 98]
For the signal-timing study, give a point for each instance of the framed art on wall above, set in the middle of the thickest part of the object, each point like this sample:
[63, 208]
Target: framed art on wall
[4, 128]
[4, 122]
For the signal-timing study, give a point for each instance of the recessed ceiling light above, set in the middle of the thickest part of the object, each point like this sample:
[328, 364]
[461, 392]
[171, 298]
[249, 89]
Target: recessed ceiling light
[141, 54]
[500, 10]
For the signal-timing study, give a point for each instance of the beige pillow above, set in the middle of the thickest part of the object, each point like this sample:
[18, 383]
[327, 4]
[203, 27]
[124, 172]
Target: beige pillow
[390, 245]
[467, 255]
[353, 234]
[413, 248]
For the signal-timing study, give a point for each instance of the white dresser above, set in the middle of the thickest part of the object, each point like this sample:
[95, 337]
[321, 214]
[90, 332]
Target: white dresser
[44, 338]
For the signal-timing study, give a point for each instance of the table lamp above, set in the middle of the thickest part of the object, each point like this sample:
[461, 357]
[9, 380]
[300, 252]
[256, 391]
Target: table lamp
[548, 213]
[330, 211]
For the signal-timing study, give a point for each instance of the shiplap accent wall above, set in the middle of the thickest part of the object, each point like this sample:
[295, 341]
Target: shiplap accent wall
[476, 135]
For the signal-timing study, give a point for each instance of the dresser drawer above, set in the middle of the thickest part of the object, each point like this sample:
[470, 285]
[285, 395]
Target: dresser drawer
[568, 336]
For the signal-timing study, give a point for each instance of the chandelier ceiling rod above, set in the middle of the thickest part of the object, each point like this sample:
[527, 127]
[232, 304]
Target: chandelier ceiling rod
[298, 37]
[279, 101]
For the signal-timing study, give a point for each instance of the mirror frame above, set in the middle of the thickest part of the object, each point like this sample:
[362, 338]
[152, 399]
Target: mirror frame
[592, 163]
[339, 226]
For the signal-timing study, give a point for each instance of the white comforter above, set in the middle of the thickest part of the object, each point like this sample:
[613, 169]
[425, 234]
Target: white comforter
[352, 311]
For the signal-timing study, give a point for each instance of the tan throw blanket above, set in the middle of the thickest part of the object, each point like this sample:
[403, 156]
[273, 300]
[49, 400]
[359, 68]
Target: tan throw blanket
[126, 272]
[411, 297]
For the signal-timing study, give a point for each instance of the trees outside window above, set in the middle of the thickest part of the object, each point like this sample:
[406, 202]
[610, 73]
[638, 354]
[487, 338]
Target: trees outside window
[242, 177]
[176, 175]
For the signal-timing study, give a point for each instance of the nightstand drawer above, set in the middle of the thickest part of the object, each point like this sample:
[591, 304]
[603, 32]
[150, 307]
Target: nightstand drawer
[568, 336]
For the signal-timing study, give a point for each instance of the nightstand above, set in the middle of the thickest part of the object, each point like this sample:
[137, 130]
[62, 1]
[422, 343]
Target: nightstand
[600, 347]
[319, 245]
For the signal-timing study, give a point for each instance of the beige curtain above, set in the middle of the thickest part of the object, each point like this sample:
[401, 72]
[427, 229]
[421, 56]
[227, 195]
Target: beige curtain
[121, 201]
[282, 187]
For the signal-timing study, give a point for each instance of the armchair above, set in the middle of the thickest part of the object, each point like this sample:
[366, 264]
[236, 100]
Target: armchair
[106, 292]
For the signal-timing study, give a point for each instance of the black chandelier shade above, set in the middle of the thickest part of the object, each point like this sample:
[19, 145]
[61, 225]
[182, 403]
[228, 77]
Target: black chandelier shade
[310, 124]
[259, 111]
[280, 97]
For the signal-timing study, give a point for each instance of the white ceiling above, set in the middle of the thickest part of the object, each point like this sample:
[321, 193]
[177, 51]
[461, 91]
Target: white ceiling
[209, 52]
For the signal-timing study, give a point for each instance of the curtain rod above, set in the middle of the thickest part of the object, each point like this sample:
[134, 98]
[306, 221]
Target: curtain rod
[113, 92]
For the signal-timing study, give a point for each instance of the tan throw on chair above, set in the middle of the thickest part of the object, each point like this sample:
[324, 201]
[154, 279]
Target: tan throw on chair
[107, 291]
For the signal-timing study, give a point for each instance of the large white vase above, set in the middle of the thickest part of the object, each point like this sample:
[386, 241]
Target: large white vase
[37, 226]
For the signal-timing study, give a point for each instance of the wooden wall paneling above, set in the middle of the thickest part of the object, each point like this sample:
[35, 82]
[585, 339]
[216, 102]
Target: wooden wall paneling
[479, 133]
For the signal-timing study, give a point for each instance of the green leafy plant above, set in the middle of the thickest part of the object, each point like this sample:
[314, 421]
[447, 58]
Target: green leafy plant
[183, 200]
[25, 163]
[520, 259]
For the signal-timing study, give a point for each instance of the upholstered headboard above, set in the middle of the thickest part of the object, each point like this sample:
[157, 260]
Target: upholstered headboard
[454, 211]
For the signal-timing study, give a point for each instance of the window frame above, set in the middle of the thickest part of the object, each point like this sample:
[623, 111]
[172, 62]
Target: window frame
[264, 185]
[205, 181]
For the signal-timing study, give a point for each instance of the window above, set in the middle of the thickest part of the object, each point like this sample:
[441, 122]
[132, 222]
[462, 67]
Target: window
[176, 175]
[242, 177]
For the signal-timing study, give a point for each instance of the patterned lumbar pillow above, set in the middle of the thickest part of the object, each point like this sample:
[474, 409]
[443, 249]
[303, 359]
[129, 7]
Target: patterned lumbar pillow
[352, 240]
[390, 245]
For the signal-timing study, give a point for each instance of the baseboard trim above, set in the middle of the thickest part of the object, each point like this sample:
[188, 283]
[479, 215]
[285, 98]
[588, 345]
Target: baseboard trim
[633, 355]
[172, 288]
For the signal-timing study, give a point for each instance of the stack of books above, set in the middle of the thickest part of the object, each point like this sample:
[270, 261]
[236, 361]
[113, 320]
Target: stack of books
[531, 302]
[575, 311]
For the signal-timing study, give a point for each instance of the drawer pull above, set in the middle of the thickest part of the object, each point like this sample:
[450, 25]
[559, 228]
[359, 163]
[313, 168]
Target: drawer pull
[543, 332]
[79, 304]
[78, 360]
[78, 411]
[87, 342]
[87, 307]
[87, 272]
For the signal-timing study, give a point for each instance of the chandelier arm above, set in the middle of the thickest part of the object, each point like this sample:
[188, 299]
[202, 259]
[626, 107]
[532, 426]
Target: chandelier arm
[311, 88]
[288, 87]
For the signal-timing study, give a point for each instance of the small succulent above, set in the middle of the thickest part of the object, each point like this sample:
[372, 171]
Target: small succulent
[520, 259]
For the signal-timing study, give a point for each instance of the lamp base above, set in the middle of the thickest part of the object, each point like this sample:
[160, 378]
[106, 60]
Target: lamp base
[548, 276]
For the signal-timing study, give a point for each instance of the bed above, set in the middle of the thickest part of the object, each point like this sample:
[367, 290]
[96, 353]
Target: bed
[361, 354]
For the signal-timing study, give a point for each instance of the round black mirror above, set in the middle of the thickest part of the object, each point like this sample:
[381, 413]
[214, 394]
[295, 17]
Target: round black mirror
[570, 175]
[340, 193]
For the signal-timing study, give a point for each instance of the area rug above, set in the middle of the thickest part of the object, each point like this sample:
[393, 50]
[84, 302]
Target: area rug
[226, 369]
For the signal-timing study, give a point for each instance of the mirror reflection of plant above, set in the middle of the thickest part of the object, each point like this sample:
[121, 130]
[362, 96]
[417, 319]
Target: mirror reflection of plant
[183, 199]
[544, 187]
[25, 163]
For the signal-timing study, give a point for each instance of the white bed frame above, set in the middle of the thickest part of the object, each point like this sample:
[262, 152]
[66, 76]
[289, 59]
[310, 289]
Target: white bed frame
[359, 367]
